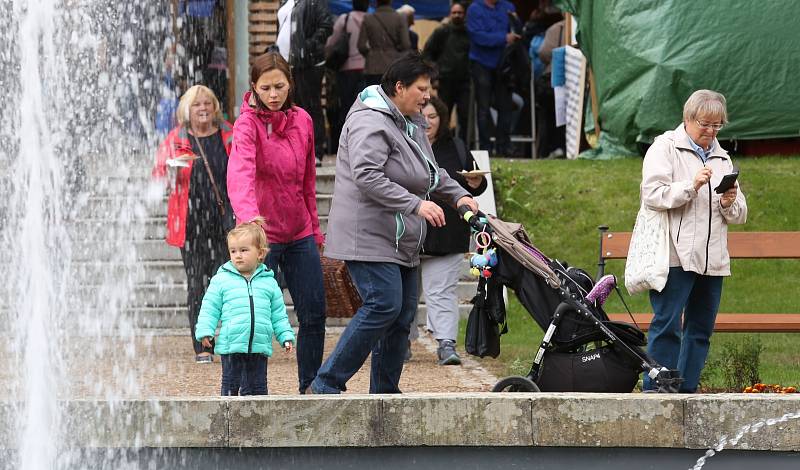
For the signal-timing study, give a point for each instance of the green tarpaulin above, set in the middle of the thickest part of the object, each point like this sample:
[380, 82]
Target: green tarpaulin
[648, 56]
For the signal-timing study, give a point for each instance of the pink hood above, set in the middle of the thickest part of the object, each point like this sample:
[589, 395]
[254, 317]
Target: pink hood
[271, 172]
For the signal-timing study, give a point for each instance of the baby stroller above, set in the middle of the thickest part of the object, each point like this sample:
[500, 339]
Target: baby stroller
[582, 350]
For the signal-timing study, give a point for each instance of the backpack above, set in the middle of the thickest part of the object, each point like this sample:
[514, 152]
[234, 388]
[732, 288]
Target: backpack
[339, 51]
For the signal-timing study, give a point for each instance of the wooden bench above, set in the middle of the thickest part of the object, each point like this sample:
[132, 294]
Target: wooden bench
[747, 245]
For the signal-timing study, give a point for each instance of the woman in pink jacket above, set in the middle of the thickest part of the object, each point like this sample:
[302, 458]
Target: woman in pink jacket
[271, 173]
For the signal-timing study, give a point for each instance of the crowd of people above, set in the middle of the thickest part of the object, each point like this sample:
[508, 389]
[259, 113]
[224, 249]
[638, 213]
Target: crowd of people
[242, 198]
[483, 52]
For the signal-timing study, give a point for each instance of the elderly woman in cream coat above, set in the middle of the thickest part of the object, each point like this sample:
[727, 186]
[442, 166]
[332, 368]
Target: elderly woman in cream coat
[679, 174]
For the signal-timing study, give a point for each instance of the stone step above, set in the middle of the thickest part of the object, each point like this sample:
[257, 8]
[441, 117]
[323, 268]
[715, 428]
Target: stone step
[173, 294]
[88, 230]
[177, 316]
[165, 271]
[107, 206]
[166, 317]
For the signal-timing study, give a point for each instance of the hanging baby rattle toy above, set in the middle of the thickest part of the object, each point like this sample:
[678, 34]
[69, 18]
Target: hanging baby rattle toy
[482, 262]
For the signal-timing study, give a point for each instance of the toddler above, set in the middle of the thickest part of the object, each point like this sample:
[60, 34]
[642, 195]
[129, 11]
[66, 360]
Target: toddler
[245, 297]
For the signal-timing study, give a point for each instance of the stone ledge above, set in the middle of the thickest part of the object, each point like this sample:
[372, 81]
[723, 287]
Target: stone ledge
[709, 418]
[410, 420]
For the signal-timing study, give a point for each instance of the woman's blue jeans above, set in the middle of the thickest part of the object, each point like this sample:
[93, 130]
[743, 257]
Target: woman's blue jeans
[677, 344]
[380, 326]
[299, 262]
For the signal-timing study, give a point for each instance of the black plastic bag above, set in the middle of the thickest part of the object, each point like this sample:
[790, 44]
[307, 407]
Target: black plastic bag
[483, 333]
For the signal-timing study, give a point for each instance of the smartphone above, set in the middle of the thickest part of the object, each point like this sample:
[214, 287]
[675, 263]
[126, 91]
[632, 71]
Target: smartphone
[727, 182]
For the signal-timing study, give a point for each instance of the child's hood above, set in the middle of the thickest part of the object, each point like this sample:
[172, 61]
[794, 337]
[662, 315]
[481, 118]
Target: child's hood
[230, 268]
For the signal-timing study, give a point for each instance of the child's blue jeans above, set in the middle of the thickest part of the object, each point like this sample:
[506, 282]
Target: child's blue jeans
[244, 374]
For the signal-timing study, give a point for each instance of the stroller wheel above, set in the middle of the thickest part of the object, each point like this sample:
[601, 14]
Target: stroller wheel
[515, 384]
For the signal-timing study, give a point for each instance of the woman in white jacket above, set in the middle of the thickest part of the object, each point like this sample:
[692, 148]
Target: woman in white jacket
[679, 174]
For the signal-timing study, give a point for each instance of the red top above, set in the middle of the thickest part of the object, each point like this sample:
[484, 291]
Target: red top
[175, 145]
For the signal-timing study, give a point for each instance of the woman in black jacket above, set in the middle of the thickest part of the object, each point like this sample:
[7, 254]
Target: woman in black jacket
[444, 247]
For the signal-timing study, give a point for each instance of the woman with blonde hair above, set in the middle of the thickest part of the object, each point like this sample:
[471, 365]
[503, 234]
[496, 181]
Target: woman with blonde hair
[198, 210]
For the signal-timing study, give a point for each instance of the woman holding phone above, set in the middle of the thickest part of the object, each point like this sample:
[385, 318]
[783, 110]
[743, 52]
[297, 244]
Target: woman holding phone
[679, 173]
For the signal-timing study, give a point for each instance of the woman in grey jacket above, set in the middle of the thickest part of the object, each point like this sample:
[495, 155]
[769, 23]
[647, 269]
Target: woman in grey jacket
[679, 173]
[385, 178]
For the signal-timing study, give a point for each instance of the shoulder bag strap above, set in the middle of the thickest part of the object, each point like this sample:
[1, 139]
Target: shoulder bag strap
[391, 39]
[217, 194]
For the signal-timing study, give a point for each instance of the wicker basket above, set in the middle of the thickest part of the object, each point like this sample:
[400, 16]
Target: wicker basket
[341, 297]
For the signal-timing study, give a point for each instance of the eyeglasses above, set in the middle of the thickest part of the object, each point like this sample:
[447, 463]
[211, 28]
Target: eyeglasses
[707, 125]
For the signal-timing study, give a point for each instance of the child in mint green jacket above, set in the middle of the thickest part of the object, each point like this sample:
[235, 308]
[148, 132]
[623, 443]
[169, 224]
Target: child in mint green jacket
[245, 297]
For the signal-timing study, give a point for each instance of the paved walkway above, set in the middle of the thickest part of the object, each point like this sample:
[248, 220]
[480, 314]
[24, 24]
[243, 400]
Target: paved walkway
[161, 363]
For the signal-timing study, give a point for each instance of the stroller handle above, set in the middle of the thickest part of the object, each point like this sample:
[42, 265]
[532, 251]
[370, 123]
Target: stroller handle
[475, 220]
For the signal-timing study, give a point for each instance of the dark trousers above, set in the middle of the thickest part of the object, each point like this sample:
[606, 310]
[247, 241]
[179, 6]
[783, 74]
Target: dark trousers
[349, 84]
[455, 93]
[300, 264]
[550, 137]
[202, 256]
[380, 327]
[308, 95]
[244, 374]
[491, 91]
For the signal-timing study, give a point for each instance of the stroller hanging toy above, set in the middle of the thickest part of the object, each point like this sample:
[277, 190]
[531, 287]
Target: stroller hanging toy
[482, 262]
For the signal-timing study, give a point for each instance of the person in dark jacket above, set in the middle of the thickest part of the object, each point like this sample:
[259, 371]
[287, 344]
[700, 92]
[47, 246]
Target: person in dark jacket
[303, 29]
[448, 48]
[382, 40]
[408, 12]
[444, 247]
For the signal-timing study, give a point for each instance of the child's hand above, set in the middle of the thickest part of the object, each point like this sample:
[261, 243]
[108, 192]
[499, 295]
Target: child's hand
[206, 342]
[288, 346]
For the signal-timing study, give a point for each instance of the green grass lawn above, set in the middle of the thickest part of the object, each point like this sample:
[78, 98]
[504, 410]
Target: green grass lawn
[561, 203]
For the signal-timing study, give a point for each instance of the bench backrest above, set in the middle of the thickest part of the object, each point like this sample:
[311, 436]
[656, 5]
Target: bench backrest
[740, 244]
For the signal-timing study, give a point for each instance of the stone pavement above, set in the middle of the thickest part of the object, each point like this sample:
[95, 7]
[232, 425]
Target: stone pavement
[160, 363]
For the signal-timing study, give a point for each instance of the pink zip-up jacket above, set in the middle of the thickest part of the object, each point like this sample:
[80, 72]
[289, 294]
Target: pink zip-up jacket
[271, 172]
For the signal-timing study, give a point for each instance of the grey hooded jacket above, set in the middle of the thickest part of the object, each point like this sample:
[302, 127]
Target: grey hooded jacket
[384, 169]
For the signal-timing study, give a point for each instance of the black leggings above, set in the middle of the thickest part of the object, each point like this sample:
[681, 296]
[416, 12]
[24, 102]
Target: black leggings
[202, 255]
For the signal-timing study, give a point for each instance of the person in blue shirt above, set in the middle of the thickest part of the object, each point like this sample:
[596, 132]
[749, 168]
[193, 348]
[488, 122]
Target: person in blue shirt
[489, 26]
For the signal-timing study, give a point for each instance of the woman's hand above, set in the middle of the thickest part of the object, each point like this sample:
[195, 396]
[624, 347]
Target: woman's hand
[729, 196]
[702, 177]
[432, 213]
[206, 342]
[468, 201]
[474, 181]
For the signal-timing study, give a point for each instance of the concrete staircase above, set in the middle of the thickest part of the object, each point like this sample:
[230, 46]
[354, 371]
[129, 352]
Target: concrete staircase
[156, 278]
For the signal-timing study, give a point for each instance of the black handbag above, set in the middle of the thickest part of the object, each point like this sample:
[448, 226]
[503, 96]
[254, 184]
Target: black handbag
[337, 54]
[483, 331]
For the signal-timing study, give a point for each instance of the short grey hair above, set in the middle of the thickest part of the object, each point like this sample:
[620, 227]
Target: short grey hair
[708, 103]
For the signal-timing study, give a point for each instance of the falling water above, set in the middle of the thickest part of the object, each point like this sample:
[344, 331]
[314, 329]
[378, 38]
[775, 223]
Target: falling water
[78, 83]
[725, 441]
